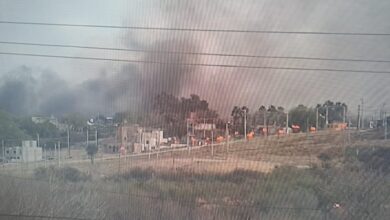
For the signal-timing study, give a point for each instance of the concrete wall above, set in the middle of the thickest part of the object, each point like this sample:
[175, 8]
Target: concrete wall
[31, 154]
[23, 154]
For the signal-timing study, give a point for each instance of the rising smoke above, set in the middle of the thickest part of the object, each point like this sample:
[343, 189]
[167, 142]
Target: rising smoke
[133, 86]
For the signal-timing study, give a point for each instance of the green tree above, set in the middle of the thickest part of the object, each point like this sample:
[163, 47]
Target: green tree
[172, 112]
[336, 111]
[9, 128]
[76, 121]
[45, 130]
[302, 116]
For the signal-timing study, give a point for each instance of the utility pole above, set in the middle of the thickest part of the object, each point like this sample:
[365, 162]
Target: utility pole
[96, 139]
[358, 118]
[37, 139]
[327, 116]
[119, 163]
[87, 136]
[188, 138]
[385, 124]
[3, 151]
[158, 143]
[265, 122]
[227, 137]
[344, 116]
[59, 154]
[204, 127]
[317, 119]
[68, 139]
[362, 116]
[212, 142]
[286, 123]
[245, 124]
[55, 150]
[45, 153]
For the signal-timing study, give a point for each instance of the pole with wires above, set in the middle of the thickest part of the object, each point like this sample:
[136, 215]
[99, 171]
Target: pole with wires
[59, 154]
[3, 151]
[245, 113]
[385, 124]
[68, 140]
[317, 119]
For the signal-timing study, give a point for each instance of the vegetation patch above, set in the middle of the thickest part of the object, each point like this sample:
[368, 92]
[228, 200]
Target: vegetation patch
[66, 174]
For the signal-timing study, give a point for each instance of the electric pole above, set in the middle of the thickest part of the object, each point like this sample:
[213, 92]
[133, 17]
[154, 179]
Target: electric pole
[265, 122]
[37, 139]
[59, 154]
[68, 139]
[212, 142]
[287, 123]
[188, 138]
[385, 124]
[3, 151]
[358, 118]
[317, 118]
[344, 112]
[87, 136]
[362, 116]
[96, 138]
[327, 116]
[227, 137]
[245, 124]
[204, 127]
[45, 153]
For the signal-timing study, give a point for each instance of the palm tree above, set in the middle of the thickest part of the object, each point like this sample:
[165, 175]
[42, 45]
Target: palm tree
[236, 114]
[280, 115]
[272, 111]
[244, 116]
[263, 111]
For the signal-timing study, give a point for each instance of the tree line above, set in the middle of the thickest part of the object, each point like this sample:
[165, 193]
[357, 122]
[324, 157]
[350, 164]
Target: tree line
[301, 115]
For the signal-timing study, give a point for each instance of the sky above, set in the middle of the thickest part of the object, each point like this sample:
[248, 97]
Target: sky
[53, 85]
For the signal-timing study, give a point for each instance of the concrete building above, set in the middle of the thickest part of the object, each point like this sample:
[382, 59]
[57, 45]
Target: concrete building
[149, 140]
[28, 152]
[133, 139]
[123, 142]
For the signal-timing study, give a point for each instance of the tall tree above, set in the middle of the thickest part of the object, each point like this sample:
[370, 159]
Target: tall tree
[335, 112]
[302, 116]
[174, 112]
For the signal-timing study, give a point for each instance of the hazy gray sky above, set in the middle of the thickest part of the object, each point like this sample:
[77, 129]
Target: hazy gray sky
[119, 83]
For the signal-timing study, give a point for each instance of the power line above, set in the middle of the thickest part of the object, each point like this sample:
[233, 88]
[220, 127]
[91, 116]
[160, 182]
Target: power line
[195, 64]
[194, 29]
[41, 216]
[193, 53]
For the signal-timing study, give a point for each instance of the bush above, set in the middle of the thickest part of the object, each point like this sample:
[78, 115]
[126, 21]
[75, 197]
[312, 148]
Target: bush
[376, 159]
[136, 173]
[324, 157]
[66, 174]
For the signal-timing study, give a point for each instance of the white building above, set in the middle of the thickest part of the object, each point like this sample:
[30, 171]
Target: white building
[149, 140]
[28, 152]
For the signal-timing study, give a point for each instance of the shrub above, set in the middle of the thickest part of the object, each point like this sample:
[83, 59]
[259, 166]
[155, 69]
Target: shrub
[377, 159]
[66, 174]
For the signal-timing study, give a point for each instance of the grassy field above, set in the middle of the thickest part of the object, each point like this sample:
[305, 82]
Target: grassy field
[298, 177]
